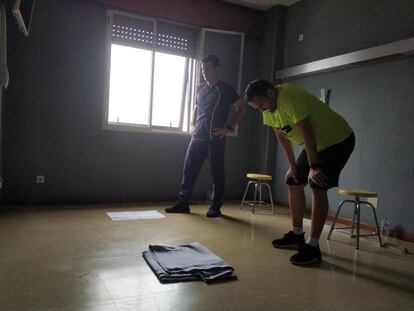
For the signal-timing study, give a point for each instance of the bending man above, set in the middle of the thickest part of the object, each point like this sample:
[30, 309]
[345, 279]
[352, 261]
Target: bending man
[301, 118]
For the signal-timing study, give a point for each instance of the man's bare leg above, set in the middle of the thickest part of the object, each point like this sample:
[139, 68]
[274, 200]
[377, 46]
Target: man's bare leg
[295, 237]
[297, 204]
[320, 207]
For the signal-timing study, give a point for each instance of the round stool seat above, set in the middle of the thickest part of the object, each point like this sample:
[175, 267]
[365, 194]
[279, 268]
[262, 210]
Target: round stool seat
[259, 176]
[358, 193]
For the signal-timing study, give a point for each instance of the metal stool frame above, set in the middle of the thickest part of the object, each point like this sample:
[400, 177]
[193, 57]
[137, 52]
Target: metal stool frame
[258, 184]
[357, 213]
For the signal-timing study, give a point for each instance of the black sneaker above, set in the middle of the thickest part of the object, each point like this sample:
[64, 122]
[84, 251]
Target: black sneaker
[178, 208]
[213, 212]
[308, 255]
[290, 241]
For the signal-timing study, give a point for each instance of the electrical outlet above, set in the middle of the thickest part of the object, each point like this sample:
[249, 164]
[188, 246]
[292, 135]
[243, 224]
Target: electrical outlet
[300, 37]
[40, 179]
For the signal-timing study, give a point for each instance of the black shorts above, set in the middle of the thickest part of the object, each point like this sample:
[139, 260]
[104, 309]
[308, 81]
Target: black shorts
[332, 160]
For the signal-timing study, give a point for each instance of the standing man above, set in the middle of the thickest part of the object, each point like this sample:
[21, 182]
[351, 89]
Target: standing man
[299, 117]
[208, 130]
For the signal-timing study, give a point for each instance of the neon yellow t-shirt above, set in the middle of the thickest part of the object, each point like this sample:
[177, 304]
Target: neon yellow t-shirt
[294, 105]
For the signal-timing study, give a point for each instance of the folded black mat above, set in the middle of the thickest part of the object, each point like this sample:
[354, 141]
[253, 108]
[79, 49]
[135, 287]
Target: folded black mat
[190, 262]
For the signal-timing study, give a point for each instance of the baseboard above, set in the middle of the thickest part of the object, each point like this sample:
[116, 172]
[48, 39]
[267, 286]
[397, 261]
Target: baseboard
[348, 222]
[400, 235]
[369, 227]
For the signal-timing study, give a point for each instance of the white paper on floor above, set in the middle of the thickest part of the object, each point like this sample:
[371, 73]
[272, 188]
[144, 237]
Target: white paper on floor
[135, 215]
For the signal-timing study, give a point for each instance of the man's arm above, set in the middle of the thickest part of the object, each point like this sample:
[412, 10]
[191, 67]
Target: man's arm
[309, 139]
[315, 173]
[193, 119]
[240, 111]
[287, 149]
[240, 108]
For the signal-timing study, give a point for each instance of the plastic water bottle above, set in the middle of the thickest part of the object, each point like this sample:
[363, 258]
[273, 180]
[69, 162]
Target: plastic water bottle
[384, 227]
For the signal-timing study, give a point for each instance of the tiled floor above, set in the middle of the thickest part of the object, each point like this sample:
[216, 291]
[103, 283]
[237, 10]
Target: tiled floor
[75, 258]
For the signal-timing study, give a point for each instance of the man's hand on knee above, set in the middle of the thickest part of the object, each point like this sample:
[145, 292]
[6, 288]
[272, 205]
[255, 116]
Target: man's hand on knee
[291, 176]
[318, 177]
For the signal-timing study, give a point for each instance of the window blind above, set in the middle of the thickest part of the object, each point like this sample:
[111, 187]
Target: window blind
[176, 39]
[160, 36]
[132, 31]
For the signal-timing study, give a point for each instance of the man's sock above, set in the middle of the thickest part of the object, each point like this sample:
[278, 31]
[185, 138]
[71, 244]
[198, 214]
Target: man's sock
[297, 230]
[313, 241]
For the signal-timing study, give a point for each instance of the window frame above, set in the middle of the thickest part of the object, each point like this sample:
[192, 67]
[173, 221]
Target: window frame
[130, 127]
[182, 108]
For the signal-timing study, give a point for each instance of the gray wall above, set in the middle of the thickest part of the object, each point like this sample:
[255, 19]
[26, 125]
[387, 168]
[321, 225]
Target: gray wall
[53, 120]
[1, 140]
[335, 27]
[262, 149]
[376, 99]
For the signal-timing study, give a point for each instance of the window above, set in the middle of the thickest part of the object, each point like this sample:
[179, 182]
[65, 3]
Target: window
[151, 73]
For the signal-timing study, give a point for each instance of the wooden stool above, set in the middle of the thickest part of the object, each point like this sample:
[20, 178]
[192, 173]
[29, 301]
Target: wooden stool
[258, 180]
[357, 194]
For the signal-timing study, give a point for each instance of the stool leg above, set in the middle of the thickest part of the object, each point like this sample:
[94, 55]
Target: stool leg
[358, 206]
[270, 195]
[260, 194]
[336, 216]
[376, 223]
[254, 197]
[245, 192]
[353, 221]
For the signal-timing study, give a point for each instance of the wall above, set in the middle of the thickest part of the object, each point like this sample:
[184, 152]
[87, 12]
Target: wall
[1, 140]
[331, 28]
[204, 13]
[376, 99]
[53, 120]
[269, 59]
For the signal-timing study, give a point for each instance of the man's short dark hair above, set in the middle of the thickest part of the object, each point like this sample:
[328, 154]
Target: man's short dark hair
[257, 88]
[211, 59]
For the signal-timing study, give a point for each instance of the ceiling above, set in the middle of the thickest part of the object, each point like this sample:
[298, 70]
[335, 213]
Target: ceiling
[262, 5]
